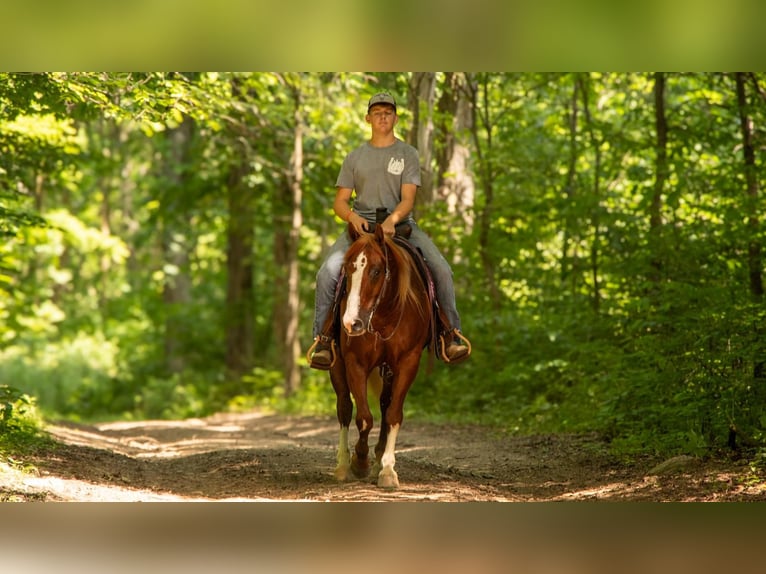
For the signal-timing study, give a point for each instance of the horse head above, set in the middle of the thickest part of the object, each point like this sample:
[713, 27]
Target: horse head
[367, 272]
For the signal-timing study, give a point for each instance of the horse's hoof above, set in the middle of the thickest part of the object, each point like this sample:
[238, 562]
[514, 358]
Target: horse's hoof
[360, 471]
[341, 473]
[388, 479]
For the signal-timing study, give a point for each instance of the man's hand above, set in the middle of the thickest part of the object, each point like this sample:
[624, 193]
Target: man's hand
[359, 222]
[388, 227]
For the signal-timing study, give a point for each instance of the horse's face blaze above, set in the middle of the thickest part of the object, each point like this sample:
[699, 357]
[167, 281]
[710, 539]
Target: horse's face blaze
[365, 279]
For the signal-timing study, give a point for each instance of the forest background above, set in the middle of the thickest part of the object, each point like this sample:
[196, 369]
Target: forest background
[162, 231]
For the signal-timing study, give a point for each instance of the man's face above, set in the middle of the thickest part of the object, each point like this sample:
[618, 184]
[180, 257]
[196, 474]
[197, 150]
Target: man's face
[382, 116]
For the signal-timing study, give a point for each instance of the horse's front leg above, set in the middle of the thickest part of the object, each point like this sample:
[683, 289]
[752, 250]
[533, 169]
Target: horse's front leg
[385, 400]
[387, 477]
[360, 464]
[344, 409]
[360, 461]
[344, 455]
[407, 369]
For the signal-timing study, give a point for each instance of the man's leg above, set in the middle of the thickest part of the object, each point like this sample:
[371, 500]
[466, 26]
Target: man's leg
[326, 283]
[455, 347]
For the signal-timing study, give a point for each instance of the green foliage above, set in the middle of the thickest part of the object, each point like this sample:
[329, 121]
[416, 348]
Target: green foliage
[689, 384]
[264, 389]
[20, 424]
[585, 316]
[70, 378]
[13, 406]
[177, 397]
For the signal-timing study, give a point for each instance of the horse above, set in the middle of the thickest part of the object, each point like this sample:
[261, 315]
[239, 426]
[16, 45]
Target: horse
[386, 317]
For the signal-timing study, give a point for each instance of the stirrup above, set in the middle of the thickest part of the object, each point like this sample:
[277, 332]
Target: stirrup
[333, 354]
[443, 342]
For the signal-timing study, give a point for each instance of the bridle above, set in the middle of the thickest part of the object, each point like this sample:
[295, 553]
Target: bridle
[379, 298]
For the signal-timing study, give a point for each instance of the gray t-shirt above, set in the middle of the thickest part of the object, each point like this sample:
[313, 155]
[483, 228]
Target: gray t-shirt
[376, 174]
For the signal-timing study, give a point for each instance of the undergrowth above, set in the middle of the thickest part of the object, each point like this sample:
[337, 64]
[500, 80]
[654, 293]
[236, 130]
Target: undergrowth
[21, 427]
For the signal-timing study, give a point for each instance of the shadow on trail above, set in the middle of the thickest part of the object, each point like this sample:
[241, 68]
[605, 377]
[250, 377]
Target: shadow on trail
[253, 456]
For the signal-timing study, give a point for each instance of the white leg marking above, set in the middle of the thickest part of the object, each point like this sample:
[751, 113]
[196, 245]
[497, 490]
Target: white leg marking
[354, 301]
[387, 477]
[344, 456]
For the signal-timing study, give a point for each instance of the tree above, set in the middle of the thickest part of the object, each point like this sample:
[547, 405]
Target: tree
[595, 202]
[483, 141]
[754, 261]
[454, 181]
[420, 100]
[240, 236]
[288, 221]
[661, 171]
[176, 241]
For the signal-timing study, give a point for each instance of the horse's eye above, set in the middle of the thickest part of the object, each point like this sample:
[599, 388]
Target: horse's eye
[374, 272]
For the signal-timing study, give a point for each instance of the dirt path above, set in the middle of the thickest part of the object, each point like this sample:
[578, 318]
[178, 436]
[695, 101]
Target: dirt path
[257, 457]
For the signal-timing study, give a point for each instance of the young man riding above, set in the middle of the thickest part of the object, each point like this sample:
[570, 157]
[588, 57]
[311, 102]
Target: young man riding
[384, 172]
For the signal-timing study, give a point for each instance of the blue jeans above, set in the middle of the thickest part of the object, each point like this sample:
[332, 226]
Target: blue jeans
[329, 271]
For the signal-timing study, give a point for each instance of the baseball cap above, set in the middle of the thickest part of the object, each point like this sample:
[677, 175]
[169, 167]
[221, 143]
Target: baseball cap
[381, 98]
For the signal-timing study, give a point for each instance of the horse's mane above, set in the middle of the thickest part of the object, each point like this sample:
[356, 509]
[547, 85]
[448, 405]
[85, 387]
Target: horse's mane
[404, 291]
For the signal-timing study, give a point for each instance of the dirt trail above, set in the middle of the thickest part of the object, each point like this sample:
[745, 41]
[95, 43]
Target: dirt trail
[256, 456]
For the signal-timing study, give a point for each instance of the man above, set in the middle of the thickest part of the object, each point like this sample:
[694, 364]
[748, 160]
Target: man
[384, 172]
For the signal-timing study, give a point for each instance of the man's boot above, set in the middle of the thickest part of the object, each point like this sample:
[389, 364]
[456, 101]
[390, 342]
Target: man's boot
[455, 347]
[322, 354]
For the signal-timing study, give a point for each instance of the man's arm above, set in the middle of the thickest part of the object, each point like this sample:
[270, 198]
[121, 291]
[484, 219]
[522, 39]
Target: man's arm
[342, 208]
[402, 210]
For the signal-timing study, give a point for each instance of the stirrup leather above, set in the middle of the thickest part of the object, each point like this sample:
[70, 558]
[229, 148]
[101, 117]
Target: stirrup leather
[333, 353]
[444, 339]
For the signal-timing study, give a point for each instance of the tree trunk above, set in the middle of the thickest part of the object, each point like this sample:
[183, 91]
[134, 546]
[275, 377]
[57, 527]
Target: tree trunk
[480, 102]
[455, 185]
[110, 134]
[176, 245]
[288, 224]
[754, 245]
[33, 269]
[569, 192]
[595, 143]
[421, 104]
[661, 169]
[240, 304]
[131, 225]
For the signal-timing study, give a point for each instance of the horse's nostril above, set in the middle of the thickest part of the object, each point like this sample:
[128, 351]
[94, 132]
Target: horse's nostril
[354, 327]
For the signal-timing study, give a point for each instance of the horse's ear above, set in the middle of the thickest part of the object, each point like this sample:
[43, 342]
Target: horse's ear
[352, 232]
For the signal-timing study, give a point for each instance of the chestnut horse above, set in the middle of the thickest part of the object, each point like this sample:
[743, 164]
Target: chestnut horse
[386, 320]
